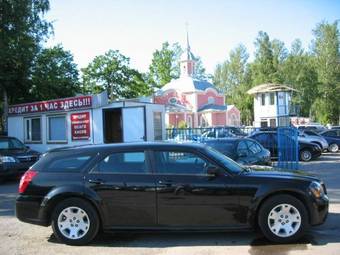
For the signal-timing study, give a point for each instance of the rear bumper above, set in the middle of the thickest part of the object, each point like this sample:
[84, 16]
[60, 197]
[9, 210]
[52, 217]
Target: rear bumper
[319, 210]
[28, 209]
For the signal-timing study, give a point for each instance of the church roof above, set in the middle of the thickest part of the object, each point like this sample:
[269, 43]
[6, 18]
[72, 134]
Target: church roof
[212, 107]
[188, 84]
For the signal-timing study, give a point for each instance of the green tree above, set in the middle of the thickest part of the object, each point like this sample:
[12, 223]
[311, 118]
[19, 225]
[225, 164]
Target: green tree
[326, 48]
[299, 72]
[233, 77]
[263, 68]
[54, 74]
[22, 29]
[164, 65]
[111, 72]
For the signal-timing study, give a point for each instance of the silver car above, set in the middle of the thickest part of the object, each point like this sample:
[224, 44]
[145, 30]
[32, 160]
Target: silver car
[312, 137]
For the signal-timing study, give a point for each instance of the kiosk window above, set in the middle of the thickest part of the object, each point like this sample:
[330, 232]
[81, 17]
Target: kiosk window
[32, 129]
[56, 128]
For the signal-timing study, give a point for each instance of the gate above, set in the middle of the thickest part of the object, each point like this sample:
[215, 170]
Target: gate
[287, 148]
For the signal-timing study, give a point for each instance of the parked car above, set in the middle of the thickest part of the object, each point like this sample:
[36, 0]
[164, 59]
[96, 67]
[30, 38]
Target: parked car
[307, 151]
[316, 127]
[333, 138]
[312, 137]
[242, 150]
[223, 132]
[164, 186]
[15, 157]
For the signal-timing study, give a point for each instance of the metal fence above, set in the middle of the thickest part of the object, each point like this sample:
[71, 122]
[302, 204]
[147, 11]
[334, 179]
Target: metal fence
[282, 143]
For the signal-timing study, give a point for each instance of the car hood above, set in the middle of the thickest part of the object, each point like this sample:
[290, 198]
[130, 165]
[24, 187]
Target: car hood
[19, 152]
[271, 172]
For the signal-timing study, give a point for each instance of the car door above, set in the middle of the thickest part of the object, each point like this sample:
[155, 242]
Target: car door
[189, 197]
[123, 182]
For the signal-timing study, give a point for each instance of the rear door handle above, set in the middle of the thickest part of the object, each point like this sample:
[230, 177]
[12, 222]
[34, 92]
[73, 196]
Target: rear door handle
[96, 181]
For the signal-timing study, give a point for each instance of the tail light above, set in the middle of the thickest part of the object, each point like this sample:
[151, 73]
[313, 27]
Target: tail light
[26, 179]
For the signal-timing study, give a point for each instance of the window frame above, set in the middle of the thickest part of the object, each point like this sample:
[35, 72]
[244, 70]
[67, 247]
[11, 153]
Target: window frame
[30, 141]
[48, 141]
[263, 99]
[176, 150]
[272, 98]
[149, 170]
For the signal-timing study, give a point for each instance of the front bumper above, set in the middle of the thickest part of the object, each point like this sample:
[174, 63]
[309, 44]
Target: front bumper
[13, 169]
[319, 210]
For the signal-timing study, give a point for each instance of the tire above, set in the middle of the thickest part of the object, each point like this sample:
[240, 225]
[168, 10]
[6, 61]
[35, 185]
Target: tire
[75, 221]
[306, 155]
[274, 224]
[333, 147]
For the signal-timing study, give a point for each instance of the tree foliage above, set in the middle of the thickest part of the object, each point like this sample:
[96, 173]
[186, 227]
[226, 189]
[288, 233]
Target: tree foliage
[111, 72]
[22, 29]
[54, 75]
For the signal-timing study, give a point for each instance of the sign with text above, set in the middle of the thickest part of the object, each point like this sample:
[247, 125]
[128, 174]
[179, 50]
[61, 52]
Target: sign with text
[64, 104]
[80, 126]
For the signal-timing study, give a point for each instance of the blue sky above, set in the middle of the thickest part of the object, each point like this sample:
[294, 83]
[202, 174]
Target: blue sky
[138, 27]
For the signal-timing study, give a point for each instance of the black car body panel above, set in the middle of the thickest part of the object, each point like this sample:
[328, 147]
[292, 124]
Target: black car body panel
[154, 200]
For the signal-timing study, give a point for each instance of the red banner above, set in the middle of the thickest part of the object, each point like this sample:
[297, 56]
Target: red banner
[65, 104]
[80, 126]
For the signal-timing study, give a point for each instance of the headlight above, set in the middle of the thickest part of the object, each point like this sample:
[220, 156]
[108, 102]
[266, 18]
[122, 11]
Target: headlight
[7, 159]
[316, 189]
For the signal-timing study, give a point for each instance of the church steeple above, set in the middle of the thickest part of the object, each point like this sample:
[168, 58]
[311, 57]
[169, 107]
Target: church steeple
[187, 62]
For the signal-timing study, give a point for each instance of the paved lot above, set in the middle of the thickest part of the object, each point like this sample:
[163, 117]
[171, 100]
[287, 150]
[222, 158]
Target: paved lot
[21, 238]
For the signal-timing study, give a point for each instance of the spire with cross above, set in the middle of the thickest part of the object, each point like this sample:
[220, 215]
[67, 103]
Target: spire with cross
[187, 62]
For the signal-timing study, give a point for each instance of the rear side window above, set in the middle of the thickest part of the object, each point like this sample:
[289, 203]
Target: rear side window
[63, 162]
[123, 162]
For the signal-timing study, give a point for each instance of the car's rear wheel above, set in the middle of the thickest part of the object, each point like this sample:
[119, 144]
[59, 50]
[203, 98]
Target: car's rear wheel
[333, 147]
[75, 221]
[283, 219]
[306, 155]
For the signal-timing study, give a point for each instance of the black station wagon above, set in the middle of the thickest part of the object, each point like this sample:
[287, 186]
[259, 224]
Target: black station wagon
[164, 186]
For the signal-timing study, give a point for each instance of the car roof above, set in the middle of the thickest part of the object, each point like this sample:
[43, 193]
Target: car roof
[132, 145]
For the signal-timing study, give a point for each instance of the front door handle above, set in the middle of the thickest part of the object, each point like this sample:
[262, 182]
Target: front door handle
[96, 181]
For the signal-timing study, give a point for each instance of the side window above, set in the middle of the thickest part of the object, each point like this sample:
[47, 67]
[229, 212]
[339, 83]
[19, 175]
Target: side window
[73, 163]
[178, 162]
[242, 149]
[253, 147]
[330, 133]
[123, 162]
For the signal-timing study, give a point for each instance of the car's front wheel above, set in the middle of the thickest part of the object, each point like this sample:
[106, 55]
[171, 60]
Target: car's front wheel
[283, 219]
[333, 147]
[306, 155]
[75, 221]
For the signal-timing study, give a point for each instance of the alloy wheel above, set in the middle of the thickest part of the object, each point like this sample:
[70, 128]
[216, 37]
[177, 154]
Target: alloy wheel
[284, 220]
[334, 147]
[73, 222]
[306, 155]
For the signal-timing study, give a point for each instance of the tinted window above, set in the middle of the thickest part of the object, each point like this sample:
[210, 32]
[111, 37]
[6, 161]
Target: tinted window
[123, 162]
[253, 147]
[242, 148]
[178, 162]
[11, 143]
[330, 133]
[73, 163]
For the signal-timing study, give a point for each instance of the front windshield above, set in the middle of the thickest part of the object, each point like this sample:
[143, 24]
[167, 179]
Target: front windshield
[10, 144]
[227, 162]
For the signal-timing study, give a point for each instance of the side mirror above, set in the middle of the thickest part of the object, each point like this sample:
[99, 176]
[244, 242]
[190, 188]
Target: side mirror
[213, 171]
[27, 147]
